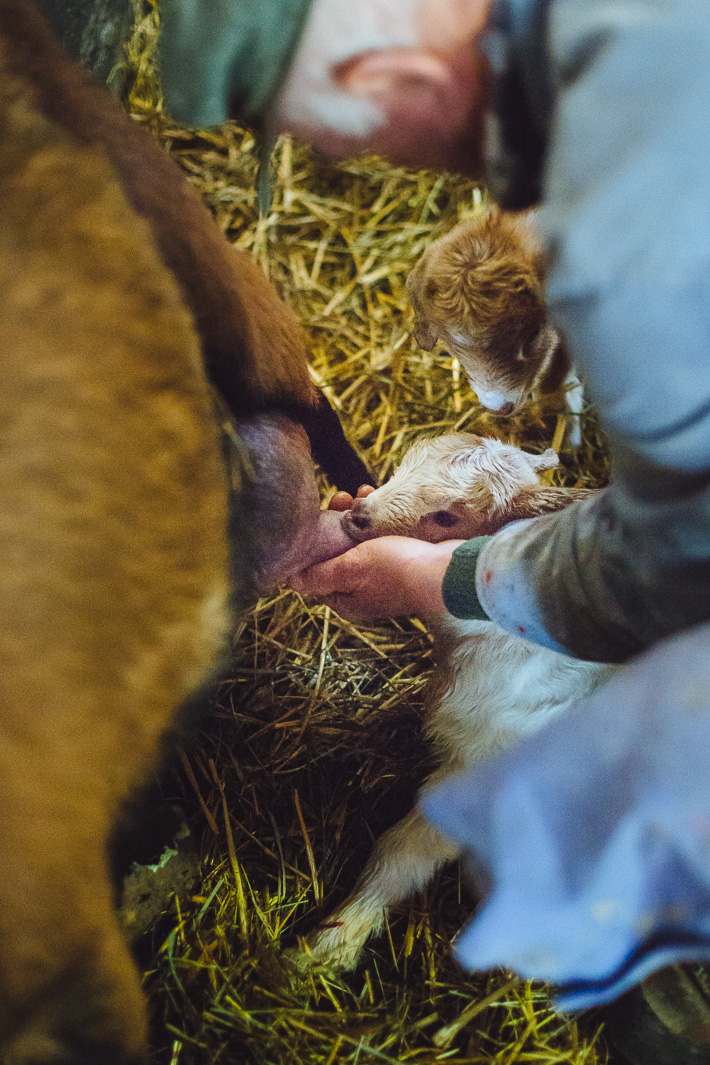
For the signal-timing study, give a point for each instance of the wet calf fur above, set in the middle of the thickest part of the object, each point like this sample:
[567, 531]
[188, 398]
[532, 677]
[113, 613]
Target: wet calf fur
[480, 290]
[488, 688]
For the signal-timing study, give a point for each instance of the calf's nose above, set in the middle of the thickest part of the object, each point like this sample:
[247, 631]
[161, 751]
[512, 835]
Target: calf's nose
[492, 400]
[359, 520]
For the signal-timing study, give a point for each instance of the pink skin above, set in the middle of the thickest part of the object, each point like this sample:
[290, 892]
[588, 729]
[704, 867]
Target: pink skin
[400, 77]
[280, 505]
[319, 538]
[383, 577]
[343, 501]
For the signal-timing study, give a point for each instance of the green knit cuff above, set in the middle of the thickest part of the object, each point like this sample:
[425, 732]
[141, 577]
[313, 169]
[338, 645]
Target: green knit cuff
[459, 585]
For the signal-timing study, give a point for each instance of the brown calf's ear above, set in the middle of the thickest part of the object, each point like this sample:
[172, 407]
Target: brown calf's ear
[424, 335]
[414, 282]
[539, 499]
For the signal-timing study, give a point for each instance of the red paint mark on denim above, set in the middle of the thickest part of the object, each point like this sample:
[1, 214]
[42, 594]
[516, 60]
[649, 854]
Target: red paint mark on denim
[489, 576]
[520, 628]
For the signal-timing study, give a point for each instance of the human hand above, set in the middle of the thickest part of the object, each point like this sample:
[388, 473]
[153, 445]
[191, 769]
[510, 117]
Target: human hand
[385, 577]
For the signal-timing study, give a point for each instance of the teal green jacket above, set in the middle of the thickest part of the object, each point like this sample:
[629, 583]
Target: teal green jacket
[226, 57]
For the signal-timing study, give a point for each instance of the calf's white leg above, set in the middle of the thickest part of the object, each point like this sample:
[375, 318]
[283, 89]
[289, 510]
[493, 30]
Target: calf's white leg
[404, 860]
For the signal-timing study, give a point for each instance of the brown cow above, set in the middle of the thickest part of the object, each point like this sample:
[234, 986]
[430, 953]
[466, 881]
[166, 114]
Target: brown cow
[254, 349]
[113, 515]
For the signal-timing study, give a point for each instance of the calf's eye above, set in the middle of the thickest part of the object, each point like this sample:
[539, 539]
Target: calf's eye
[444, 518]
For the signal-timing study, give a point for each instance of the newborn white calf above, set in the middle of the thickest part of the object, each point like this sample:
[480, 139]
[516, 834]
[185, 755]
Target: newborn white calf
[488, 689]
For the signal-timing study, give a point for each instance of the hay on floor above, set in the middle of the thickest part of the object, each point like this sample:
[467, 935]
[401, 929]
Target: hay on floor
[312, 746]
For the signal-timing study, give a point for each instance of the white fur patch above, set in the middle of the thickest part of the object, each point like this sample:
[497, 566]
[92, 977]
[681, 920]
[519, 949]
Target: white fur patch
[492, 400]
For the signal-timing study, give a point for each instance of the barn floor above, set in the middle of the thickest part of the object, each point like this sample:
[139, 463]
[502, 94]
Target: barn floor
[311, 745]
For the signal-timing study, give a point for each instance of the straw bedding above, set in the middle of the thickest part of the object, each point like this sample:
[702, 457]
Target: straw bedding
[312, 744]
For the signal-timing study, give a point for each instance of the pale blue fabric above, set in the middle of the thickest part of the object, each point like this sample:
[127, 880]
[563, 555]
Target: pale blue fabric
[595, 834]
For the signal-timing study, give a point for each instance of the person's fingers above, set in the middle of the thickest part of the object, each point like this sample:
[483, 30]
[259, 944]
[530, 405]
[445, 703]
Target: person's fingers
[321, 580]
[341, 501]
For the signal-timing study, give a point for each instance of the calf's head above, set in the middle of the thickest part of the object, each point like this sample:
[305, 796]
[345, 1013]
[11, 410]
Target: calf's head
[480, 291]
[456, 486]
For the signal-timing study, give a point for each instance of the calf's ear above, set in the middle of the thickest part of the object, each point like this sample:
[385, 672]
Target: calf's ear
[423, 333]
[539, 499]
